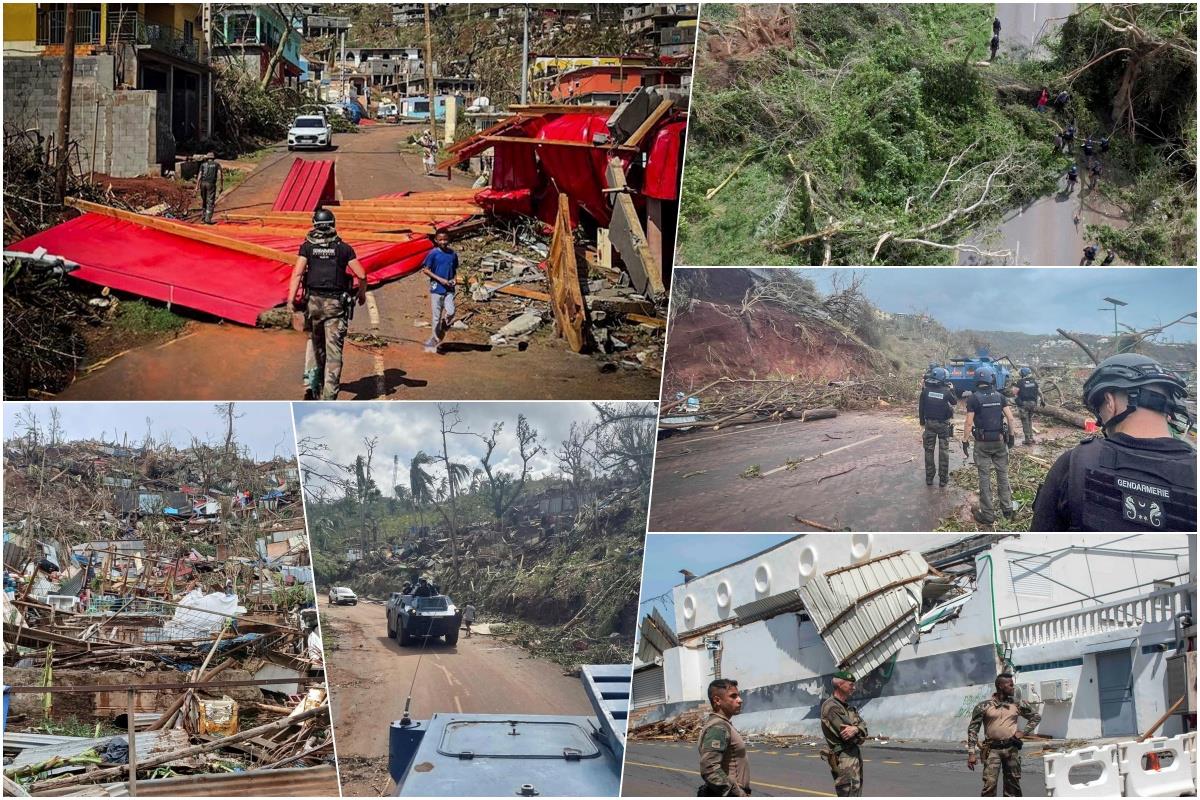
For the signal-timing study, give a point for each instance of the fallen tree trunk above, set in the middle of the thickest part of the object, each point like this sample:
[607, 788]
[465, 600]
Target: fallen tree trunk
[1063, 415]
[818, 413]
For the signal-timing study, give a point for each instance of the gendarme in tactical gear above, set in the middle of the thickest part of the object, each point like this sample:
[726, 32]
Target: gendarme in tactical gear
[207, 178]
[1028, 397]
[935, 412]
[989, 423]
[1136, 476]
[325, 265]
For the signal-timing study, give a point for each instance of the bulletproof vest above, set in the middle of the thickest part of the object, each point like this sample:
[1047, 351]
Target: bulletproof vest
[989, 419]
[1114, 487]
[934, 404]
[1027, 392]
[326, 272]
[208, 172]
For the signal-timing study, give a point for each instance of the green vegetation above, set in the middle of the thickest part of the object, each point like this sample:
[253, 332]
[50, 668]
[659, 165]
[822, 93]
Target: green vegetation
[846, 133]
[142, 316]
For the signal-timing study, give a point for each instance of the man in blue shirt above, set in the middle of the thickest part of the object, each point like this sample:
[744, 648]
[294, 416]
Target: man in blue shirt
[441, 267]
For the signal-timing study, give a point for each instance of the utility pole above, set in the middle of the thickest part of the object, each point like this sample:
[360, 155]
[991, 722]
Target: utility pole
[525, 59]
[429, 90]
[66, 82]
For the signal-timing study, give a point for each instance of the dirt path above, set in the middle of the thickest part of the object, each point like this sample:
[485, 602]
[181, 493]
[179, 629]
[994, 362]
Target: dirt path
[369, 675]
[226, 361]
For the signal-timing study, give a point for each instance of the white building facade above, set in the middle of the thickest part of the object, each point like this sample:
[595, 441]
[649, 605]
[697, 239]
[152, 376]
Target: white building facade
[1087, 622]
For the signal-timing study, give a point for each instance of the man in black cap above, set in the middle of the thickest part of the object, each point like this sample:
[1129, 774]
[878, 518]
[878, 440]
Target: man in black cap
[322, 263]
[1136, 476]
[844, 731]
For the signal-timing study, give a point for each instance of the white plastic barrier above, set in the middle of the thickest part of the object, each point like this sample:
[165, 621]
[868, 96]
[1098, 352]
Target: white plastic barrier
[1058, 771]
[1169, 780]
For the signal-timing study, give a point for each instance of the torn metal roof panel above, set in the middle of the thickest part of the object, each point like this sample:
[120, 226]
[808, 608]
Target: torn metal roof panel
[149, 744]
[308, 185]
[866, 612]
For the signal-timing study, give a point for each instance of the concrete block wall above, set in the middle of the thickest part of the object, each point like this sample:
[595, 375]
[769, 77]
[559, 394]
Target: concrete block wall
[118, 128]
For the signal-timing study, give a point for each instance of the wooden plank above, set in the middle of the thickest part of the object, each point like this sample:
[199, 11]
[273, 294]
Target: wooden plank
[625, 231]
[257, 220]
[507, 122]
[348, 216]
[644, 320]
[186, 231]
[518, 291]
[560, 108]
[636, 137]
[557, 142]
[349, 234]
[566, 296]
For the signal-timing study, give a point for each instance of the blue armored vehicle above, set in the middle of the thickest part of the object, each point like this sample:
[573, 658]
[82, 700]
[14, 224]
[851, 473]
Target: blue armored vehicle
[522, 755]
[962, 371]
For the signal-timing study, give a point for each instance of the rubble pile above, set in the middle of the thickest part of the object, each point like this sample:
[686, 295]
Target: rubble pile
[683, 727]
[166, 594]
[510, 299]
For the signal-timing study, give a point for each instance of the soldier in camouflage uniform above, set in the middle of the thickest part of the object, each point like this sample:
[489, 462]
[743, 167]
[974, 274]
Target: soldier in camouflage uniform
[1000, 749]
[207, 178]
[723, 763]
[844, 731]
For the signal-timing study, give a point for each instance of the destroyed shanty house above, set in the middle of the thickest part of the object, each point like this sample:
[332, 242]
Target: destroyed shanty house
[602, 183]
[1094, 628]
[158, 636]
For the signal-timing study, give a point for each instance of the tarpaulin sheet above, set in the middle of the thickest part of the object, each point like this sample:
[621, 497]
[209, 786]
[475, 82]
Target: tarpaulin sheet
[209, 278]
[308, 184]
[665, 162]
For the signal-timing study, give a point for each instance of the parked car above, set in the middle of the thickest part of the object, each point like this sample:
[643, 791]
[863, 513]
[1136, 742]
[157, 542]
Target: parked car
[342, 594]
[409, 617]
[388, 112]
[310, 130]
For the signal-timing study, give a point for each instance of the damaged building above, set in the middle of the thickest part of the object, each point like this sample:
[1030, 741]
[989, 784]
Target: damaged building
[1098, 630]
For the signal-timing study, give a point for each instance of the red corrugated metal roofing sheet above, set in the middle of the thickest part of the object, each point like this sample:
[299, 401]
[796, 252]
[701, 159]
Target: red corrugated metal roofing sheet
[308, 185]
[209, 278]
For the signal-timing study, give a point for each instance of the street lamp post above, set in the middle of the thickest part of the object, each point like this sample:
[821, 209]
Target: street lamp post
[1115, 305]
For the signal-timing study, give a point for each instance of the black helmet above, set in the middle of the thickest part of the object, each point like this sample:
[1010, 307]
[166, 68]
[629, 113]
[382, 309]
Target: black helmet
[1129, 372]
[323, 218]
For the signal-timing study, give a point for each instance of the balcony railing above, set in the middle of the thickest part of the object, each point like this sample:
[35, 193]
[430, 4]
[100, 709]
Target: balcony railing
[1159, 606]
[130, 27]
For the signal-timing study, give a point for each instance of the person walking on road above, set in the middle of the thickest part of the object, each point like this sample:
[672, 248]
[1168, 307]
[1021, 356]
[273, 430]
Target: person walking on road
[845, 730]
[326, 267]
[995, 45]
[724, 765]
[1094, 170]
[1136, 475]
[1000, 749]
[1072, 178]
[1089, 255]
[996, 26]
[935, 412]
[208, 177]
[468, 618]
[990, 423]
[1028, 397]
[429, 151]
[441, 267]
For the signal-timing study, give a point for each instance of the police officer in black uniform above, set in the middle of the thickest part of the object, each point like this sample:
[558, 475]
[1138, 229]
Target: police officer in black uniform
[322, 263]
[207, 178]
[1028, 397]
[990, 423]
[935, 411]
[1136, 476]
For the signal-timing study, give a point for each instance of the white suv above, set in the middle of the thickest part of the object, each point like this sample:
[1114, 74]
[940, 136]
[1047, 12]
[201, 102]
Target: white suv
[341, 594]
[310, 130]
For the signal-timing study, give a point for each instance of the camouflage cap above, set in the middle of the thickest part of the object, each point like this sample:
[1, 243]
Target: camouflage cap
[845, 675]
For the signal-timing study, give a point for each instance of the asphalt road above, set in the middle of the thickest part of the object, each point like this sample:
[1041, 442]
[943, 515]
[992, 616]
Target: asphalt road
[866, 472]
[669, 769]
[369, 677]
[1045, 232]
[224, 361]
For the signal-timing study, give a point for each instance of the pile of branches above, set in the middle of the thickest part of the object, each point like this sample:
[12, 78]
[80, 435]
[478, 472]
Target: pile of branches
[29, 175]
[43, 320]
[729, 400]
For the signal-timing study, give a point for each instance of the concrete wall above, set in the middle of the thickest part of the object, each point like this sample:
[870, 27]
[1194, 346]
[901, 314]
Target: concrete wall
[119, 127]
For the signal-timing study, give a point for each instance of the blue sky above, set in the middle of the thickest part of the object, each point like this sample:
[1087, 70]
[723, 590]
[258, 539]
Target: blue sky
[1029, 300]
[667, 553]
[265, 427]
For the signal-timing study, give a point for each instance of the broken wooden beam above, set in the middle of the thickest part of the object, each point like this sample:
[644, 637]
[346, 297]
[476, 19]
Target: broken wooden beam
[349, 234]
[562, 273]
[351, 215]
[629, 238]
[635, 139]
[557, 142]
[183, 229]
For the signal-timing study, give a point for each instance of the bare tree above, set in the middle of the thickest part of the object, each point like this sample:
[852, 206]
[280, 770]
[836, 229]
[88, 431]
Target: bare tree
[503, 489]
[572, 457]
[229, 413]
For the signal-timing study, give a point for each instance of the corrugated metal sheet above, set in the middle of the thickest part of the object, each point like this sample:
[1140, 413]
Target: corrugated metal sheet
[149, 744]
[866, 612]
[649, 686]
[656, 637]
[319, 781]
[769, 606]
[608, 687]
[308, 185]
[1029, 576]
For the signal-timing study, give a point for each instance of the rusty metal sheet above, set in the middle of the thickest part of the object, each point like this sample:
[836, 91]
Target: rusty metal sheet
[319, 781]
[150, 744]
